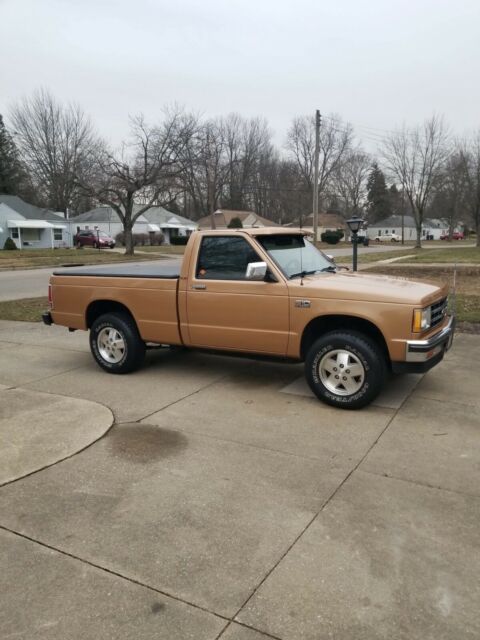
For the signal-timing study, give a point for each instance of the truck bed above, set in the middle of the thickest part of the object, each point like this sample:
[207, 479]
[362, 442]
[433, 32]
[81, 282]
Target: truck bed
[146, 270]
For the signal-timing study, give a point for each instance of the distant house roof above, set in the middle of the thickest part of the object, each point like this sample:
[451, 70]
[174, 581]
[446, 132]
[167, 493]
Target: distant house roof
[325, 220]
[155, 215]
[394, 221]
[161, 217]
[223, 217]
[28, 211]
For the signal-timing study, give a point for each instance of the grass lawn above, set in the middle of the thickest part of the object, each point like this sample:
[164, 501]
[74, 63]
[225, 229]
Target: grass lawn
[425, 255]
[31, 258]
[364, 256]
[174, 249]
[27, 310]
[455, 254]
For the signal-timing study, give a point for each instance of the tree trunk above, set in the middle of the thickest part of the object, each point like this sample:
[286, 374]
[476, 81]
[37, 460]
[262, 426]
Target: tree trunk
[419, 236]
[129, 247]
[477, 229]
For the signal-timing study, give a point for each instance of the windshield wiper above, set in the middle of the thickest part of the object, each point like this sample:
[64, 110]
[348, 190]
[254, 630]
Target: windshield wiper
[302, 274]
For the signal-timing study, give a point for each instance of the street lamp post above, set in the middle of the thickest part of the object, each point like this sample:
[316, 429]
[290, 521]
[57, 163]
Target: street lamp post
[355, 224]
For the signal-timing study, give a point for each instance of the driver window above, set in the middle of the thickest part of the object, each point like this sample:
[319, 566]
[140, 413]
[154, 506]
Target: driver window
[224, 258]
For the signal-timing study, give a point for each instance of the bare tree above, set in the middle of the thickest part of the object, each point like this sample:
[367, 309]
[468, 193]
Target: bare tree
[350, 180]
[415, 158]
[203, 167]
[336, 140]
[146, 171]
[449, 200]
[55, 143]
[470, 154]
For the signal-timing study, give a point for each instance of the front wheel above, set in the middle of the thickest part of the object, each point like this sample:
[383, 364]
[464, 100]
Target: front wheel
[116, 344]
[345, 369]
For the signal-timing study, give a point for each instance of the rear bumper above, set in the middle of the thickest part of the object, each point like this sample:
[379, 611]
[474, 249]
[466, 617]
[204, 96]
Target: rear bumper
[422, 355]
[47, 318]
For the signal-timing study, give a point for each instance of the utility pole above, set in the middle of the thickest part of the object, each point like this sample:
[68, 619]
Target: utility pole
[318, 119]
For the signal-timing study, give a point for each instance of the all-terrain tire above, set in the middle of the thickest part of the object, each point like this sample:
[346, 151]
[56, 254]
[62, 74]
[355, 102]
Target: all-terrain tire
[116, 344]
[345, 369]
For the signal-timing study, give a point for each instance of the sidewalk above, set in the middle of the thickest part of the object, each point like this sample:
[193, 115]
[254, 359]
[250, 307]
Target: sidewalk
[227, 503]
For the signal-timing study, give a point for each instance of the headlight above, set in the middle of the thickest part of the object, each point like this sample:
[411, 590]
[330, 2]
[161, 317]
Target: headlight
[422, 319]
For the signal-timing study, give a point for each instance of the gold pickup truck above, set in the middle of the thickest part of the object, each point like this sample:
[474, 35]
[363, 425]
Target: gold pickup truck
[266, 292]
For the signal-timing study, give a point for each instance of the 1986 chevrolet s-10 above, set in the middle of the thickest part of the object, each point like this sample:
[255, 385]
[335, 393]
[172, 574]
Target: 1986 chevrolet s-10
[260, 291]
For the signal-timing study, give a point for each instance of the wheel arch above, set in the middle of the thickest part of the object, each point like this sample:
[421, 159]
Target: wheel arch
[98, 308]
[341, 322]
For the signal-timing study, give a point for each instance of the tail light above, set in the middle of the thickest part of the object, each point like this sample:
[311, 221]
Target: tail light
[50, 296]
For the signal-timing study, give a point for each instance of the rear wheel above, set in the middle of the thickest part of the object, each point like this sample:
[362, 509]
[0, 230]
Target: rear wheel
[345, 369]
[116, 344]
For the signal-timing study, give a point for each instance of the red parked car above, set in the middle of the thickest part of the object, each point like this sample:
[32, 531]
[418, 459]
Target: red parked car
[92, 238]
[457, 235]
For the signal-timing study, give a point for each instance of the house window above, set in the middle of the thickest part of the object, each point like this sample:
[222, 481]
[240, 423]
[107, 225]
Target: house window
[393, 230]
[14, 233]
[57, 234]
[31, 235]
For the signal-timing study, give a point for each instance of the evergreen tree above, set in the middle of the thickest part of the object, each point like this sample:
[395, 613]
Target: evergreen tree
[379, 202]
[11, 174]
[235, 223]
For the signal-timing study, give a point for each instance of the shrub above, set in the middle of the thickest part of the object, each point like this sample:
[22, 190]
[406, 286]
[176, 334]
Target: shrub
[235, 223]
[331, 237]
[179, 240]
[10, 245]
[120, 238]
[156, 238]
[140, 239]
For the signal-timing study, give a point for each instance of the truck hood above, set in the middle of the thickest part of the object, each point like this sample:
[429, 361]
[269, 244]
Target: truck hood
[370, 288]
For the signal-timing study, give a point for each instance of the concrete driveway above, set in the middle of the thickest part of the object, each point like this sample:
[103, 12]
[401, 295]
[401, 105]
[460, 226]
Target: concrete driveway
[225, 502]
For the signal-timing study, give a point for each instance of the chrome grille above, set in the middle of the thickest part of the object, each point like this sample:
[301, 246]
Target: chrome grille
[439, 309]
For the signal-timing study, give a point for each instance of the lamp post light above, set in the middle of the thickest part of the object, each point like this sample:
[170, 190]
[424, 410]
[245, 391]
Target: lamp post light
[355, 224]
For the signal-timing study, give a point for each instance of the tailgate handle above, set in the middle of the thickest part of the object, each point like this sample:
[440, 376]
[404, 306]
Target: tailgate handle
[199, 286]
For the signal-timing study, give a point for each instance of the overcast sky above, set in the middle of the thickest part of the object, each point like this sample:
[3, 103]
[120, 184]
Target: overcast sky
[377, 63]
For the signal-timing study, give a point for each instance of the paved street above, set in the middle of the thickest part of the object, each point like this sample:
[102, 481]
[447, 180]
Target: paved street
[210, 498]
[31, 283]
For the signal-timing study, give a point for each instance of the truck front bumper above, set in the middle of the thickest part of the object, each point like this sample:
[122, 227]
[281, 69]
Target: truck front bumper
[422, 355]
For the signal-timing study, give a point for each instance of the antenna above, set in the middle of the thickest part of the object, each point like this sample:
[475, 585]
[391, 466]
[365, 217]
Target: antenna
[301, 261]
[454, 293]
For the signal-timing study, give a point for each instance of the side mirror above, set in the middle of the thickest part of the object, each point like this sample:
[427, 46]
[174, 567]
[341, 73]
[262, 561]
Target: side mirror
[331, 258]
[256, 271]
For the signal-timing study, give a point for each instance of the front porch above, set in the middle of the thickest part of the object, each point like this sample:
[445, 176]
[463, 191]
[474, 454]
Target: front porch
[37, 234]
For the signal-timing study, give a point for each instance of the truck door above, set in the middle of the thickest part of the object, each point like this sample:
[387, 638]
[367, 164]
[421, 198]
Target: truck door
[226, 311]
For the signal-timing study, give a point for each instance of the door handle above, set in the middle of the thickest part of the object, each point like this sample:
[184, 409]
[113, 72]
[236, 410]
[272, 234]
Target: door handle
[199, 286]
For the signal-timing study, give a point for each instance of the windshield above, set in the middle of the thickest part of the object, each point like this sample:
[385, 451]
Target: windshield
[102, 234]
[295, 255]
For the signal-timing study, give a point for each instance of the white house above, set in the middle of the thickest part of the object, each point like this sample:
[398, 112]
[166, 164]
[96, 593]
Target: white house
[431, 228]
[154, 220]
[31, 227]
